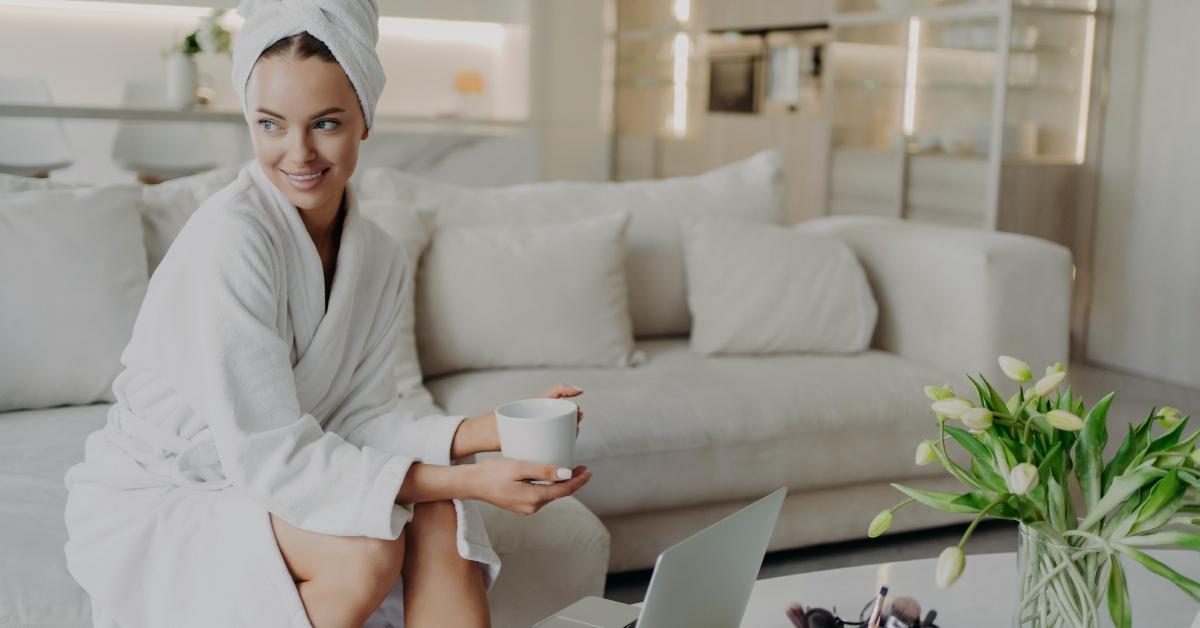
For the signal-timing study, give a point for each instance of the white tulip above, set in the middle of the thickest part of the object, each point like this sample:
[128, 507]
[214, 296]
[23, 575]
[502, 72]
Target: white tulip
[977, 419]
[939, 392]
[925, 453]
[1057, 367]
[1195, 456]
[1168, 418]
[1015, 369]
[1022, 478]
[952, 407]
[1049, 383]
[1065, 421]
[950, 566]
[880, 524]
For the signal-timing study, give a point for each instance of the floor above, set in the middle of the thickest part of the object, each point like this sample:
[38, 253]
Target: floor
[1135, 397]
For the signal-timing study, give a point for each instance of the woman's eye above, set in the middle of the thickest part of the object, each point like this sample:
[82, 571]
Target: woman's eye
[268, 125]
[328, 125]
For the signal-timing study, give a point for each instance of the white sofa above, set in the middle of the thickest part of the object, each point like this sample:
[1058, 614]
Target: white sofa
[678, 441]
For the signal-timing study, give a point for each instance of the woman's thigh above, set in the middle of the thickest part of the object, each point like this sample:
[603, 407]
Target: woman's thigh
[308, 555]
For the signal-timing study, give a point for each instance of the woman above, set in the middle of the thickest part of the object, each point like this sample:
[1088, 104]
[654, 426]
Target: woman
[256, 469]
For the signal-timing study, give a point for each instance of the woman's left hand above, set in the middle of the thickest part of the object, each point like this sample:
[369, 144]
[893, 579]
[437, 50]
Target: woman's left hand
[563, 390]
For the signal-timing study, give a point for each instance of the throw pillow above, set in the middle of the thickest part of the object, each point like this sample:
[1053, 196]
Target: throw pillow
[72, 276]
[761, 289]
[751, 189]
[167, 206]
[551, 295]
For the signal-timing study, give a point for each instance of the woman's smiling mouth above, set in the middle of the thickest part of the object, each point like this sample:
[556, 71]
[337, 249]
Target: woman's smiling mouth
[306, 180]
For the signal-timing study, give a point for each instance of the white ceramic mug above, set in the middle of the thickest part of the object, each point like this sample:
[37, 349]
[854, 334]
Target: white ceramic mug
[538, 430]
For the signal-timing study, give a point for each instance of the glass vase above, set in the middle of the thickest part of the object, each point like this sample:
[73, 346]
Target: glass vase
[1062, 581]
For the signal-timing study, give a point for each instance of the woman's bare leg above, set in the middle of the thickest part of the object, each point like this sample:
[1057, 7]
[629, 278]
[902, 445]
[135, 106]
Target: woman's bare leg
[341, 579]
[441, 588]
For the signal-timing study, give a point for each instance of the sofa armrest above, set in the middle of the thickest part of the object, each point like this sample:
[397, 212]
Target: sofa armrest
[955, 299]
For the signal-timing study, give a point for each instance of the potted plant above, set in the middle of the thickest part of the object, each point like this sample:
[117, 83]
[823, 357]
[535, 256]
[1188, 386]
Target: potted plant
[1023, 458]
[211, 37]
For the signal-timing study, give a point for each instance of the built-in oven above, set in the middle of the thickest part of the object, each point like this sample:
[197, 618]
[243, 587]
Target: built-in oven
[735, 76]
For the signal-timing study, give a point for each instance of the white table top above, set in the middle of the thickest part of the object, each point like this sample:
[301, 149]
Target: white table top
[982, 598]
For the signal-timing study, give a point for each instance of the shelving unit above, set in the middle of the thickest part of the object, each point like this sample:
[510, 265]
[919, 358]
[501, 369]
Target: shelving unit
[969, 112]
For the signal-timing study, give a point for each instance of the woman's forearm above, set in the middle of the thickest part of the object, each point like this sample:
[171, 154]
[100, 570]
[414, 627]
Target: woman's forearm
[435, 482]
[475, 435]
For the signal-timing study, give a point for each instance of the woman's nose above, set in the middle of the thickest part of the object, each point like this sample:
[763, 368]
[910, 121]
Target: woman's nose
[300, 147]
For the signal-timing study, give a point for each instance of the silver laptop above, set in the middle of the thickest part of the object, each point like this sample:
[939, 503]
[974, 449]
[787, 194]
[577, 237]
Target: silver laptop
[703, 581]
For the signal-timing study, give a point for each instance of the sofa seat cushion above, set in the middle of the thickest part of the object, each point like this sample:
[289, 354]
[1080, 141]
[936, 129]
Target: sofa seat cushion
[683, 430]
[551, 558]
[36, 449]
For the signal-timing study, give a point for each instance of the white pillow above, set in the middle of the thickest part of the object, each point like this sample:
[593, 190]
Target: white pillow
[409, 226]
[72, 278]
[549, 295]
[751, 189]
[758, 289]
[167, 206]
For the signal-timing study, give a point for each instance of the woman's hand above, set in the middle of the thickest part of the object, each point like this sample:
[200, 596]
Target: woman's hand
[559, 392]
[506, 483]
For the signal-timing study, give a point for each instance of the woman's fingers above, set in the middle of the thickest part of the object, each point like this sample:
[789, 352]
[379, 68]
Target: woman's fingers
[560, 391]
[552, 492]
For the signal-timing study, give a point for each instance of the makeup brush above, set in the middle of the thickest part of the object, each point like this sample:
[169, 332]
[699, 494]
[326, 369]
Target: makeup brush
[906, 610]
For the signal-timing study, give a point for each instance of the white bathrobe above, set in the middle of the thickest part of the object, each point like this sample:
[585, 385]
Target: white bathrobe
[242, 396]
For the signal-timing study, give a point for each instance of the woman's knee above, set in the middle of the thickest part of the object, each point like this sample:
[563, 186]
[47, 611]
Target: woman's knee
[434, 523]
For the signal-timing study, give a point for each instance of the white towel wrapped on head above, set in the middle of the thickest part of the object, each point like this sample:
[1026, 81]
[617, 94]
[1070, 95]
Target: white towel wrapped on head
[349, 28]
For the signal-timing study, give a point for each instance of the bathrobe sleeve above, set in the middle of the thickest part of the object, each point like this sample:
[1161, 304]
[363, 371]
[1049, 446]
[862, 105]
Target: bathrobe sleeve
[375, 415]
[216, 319]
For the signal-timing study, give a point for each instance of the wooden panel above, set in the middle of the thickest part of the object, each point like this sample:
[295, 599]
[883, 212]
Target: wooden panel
[1038, 199]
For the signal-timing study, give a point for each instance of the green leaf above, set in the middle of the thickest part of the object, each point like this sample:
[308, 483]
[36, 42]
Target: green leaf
[935, 499]
[968, 442]
[1118, 596]
[1120, 461]
[1189, 586]
[1056, 502]
[1177, 538]
[1165, 498]
[1066, 401]
[988, 476]
[1089, 451]
[994, 397]
[1123, 487]
[1168, 440]
[982, 499]
[981, 392]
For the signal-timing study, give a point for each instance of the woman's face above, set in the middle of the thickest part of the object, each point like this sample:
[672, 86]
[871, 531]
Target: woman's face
[305, 125]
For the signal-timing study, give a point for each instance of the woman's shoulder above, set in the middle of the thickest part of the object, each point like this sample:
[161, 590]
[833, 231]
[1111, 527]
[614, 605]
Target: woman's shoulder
[229, 227]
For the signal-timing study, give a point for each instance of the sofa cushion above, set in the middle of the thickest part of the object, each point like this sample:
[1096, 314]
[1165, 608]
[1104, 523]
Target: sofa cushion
[72, 276]
[751, 189]
[36, 449]
[491, 296]
[167, 206]
[757, 288]
[684, 429]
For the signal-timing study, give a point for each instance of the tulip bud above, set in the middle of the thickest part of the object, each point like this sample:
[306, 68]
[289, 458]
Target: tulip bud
[1049, 383]
[1015, 369]
[1195, 455]
[1168, 418]
[952, 407]
[977, 419]
[950, 566]
[1022, 478]
[939, 392]
[925, 453]
[880, 524]
[1065, 421]
[1057, 368]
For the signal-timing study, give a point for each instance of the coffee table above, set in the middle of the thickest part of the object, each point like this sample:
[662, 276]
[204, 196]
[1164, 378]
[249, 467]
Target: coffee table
[982, 598]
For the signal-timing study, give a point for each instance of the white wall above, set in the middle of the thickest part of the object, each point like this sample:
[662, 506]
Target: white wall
[1146, 287]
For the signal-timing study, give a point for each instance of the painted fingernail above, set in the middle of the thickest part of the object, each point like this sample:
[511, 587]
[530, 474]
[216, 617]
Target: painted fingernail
[574, 388]
[563, 473]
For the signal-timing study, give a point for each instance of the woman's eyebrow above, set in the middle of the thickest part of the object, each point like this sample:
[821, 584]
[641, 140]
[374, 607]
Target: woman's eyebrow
[315, 116]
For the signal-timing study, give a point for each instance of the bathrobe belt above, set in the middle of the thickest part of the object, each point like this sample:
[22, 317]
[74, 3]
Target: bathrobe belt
[190, 455]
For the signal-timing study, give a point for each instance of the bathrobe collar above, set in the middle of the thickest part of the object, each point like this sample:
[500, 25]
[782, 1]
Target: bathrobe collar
[318, 332]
